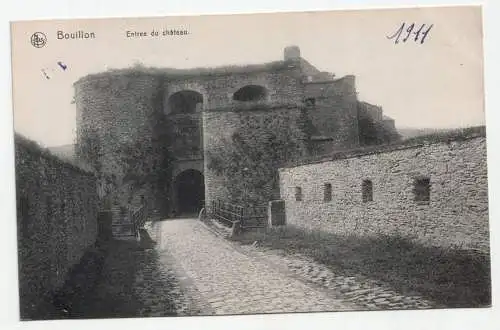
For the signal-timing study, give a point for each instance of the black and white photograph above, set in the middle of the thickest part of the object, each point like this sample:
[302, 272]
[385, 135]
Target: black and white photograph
[244, 164]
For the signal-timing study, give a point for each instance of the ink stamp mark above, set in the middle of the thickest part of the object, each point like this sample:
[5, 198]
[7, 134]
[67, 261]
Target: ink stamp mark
[62, 65]
[38, 39]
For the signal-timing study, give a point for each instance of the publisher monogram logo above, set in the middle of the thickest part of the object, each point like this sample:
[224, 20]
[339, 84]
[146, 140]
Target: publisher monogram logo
[38, 39]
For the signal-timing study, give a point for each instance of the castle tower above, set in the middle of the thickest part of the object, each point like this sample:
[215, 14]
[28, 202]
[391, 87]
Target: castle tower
[260, 124]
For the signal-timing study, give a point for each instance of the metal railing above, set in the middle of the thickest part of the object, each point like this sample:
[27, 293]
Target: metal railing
[133, 223]
[227, 213]
[249, 217]
[138, 217]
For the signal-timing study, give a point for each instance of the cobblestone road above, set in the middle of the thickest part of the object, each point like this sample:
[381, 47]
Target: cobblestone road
[365, 293]
[225, 280]
[136, 281]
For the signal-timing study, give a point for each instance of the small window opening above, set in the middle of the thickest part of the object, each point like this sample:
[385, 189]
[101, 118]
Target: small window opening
[310, 102]
[367, 191]
[298, 194]
[422, 190]
[327, 192]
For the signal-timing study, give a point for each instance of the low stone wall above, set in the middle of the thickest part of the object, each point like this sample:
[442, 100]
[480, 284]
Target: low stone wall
[57, 211]
[330, 192]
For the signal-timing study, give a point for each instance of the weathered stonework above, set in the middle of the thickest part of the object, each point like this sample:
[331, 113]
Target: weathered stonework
[456, 215]
[122, 109]
[57, 210]
[374, 127]
[197, 107]
[253, 127]
[333, 114]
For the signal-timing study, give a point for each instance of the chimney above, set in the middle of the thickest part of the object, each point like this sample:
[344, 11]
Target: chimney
[291, 53]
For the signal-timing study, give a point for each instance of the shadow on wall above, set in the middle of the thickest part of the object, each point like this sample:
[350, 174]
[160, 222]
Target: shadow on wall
[449, 277]
[57, 206]
[106, 285]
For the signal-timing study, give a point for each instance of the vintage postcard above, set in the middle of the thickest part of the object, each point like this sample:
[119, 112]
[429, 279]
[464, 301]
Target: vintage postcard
[251, 164]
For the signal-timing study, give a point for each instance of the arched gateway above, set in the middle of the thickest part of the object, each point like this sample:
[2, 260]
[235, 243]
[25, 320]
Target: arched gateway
[190, 191]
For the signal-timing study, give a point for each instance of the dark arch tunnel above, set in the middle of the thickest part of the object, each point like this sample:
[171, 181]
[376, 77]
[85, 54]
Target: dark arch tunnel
[190, 191]
[186, 101]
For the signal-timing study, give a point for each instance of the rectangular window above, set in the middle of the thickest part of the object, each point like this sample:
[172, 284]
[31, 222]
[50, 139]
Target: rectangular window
[310, 102]
[327, 192]
[367, 191]
[298, 194]
[422, 190]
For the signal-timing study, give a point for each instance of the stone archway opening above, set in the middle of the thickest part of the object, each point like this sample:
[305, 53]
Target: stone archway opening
[190, 191]
[185, 101]
[250, 93]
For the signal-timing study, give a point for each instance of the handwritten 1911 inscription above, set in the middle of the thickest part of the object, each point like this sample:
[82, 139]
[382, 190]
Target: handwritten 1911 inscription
[405, 32]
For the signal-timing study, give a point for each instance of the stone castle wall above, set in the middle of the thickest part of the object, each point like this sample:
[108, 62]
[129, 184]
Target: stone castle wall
[333, 113]
[457, 213]
[374, 127]
[242, 171]
[133, 106]
[283, 85]
[120, 107]
[124, 109]
[57, 210]
[185, 136]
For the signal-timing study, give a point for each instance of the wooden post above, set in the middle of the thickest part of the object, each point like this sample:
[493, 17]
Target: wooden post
[235, 229]
[241, 215]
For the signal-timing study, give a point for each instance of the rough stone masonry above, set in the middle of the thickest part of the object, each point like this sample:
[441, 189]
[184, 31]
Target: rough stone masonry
[436, 192]
[199, 107]
[56, 219]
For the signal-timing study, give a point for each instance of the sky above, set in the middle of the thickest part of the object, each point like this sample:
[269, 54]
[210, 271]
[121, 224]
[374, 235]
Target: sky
[437, 83]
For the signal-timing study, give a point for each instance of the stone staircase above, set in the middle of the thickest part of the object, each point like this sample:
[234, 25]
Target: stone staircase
[122, 225]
